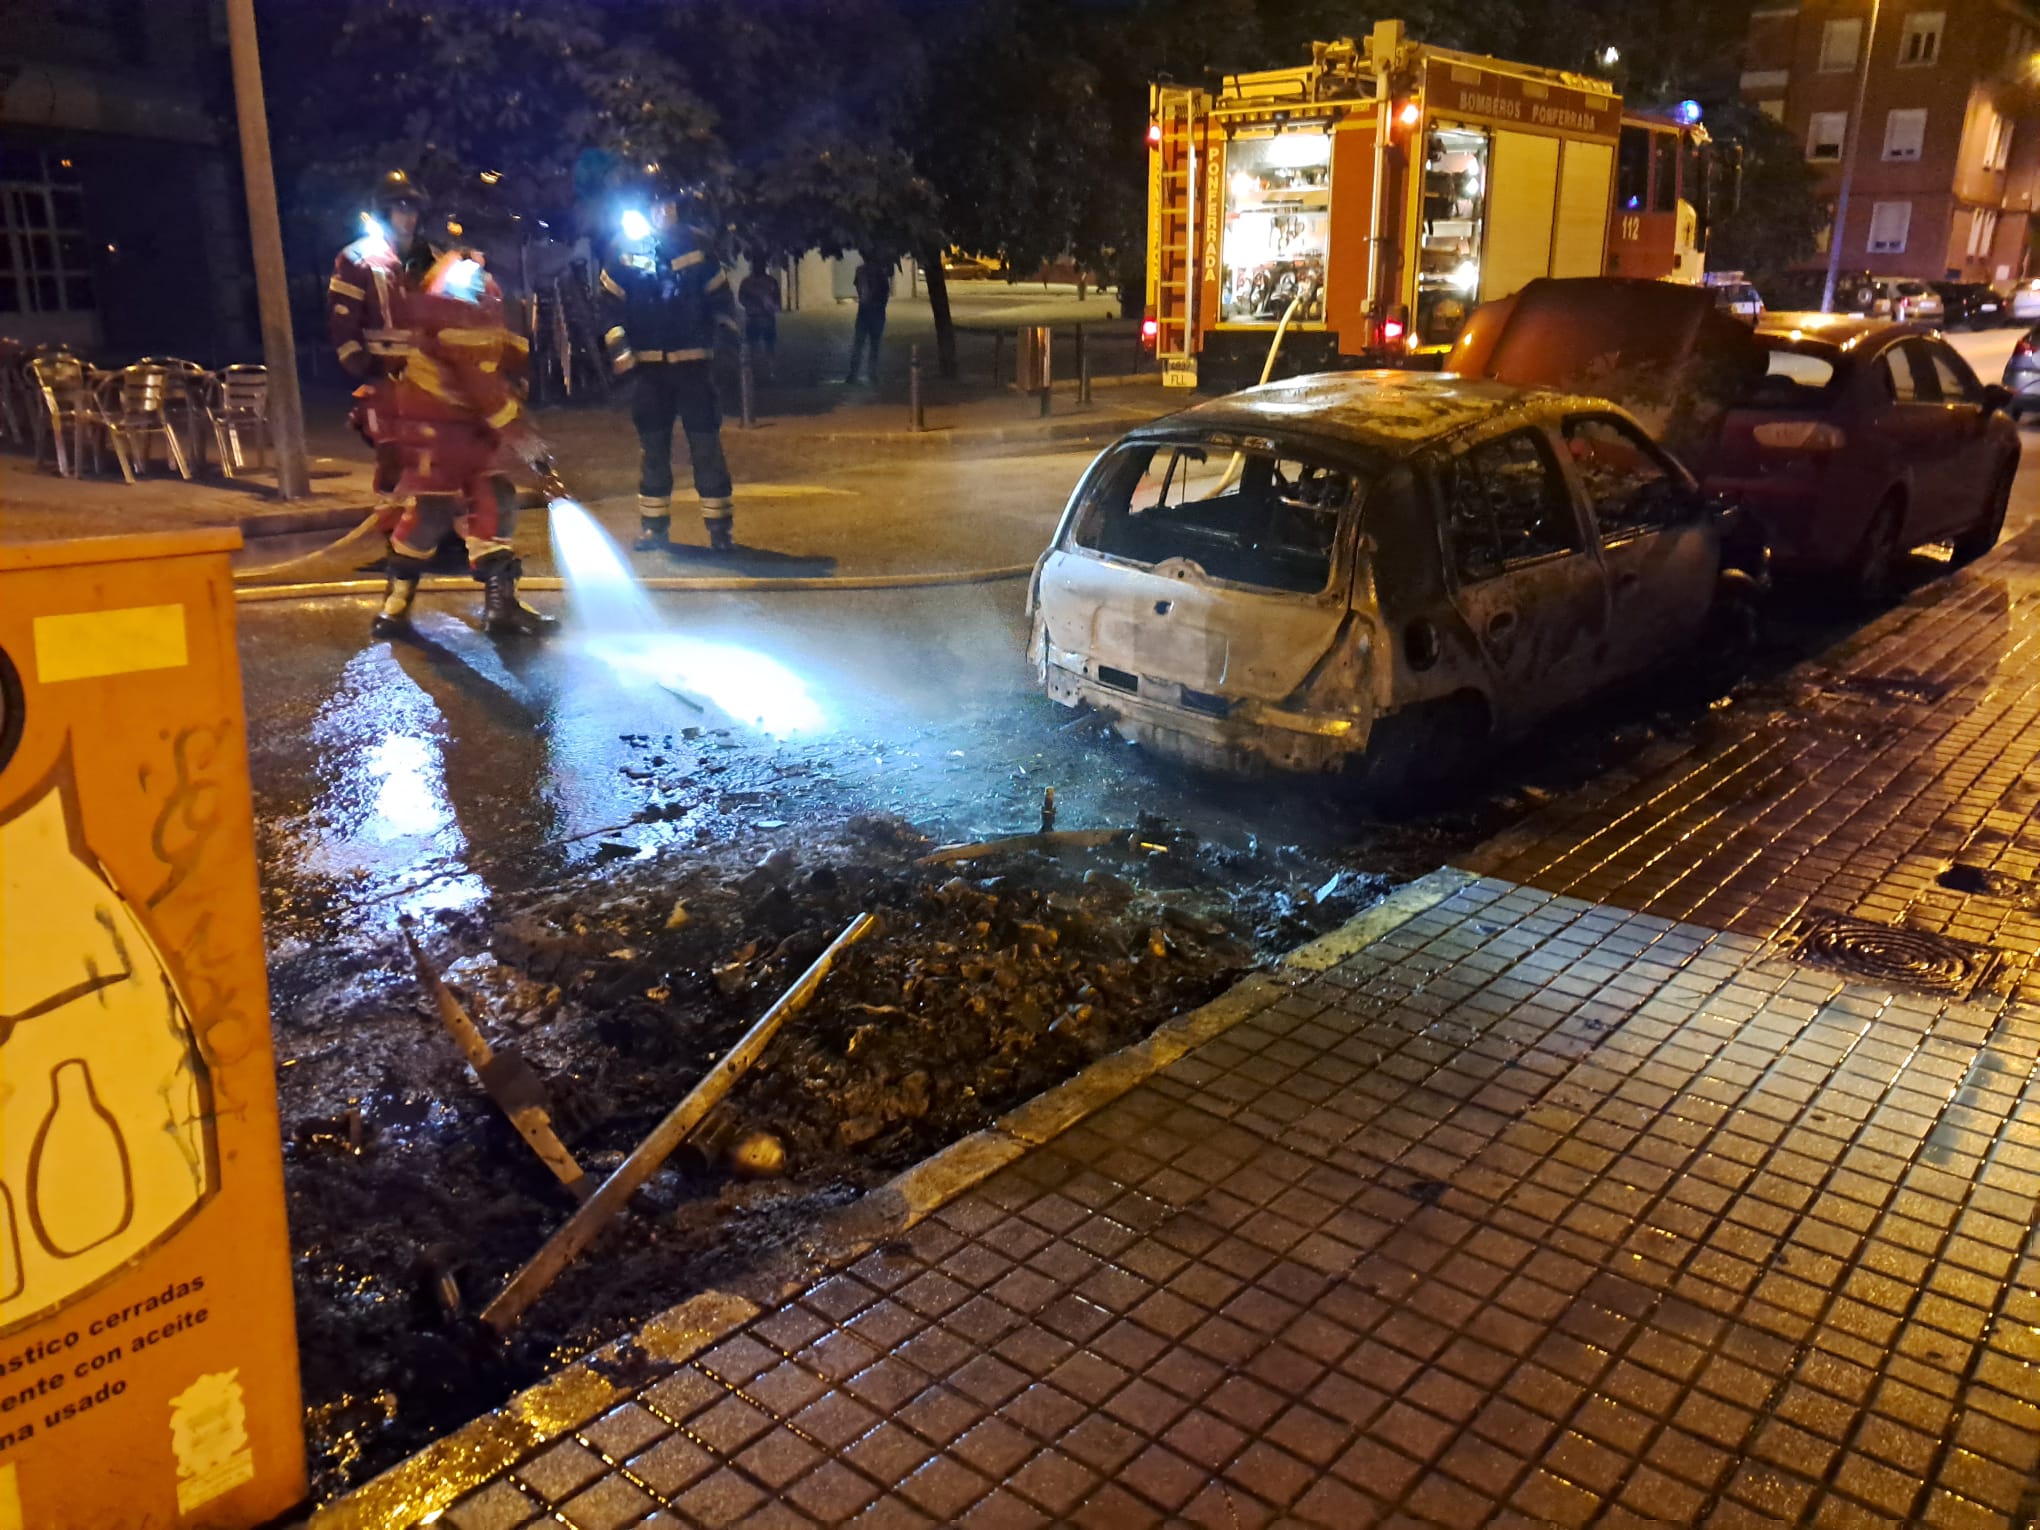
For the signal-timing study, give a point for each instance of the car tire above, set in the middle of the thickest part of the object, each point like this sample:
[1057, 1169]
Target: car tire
[1983, 536]
[1418, 756]
[1874, 575]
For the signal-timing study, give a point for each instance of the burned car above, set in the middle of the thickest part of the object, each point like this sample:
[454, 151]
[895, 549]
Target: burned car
[1379, 569]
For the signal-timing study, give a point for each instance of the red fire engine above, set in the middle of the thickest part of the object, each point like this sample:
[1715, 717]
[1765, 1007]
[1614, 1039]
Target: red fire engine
[1365, 203]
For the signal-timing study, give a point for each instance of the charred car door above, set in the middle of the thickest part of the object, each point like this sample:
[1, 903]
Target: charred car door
[1527, 582]
[1661, 550]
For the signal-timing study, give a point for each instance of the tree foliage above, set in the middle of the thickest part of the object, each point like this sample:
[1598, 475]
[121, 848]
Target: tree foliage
[1011, 128]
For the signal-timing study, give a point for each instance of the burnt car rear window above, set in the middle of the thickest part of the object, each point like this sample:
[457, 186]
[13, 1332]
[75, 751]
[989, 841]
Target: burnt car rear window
[1262, 517]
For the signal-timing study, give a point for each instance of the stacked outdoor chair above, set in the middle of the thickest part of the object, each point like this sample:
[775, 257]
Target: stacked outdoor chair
[238, 405]
[69, 406]
[134, 410]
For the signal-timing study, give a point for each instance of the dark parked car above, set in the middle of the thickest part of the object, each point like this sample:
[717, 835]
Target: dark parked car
[1852, 438]
[1863, 439]
[1379, 568]
[1971, 305]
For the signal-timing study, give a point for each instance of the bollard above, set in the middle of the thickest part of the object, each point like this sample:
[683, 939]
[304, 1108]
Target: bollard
[747, 411]
[998, 355]
[1045, 394]
[1083, 369]
[914, 388]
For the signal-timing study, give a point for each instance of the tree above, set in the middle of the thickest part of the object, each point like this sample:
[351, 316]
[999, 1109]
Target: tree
[1777, 223]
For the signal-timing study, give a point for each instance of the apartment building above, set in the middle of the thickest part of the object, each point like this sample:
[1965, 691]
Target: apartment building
[121, 231]
[1947, 154]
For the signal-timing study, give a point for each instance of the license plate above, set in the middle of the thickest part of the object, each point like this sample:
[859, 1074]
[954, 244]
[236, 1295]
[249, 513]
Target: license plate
[1988, 308]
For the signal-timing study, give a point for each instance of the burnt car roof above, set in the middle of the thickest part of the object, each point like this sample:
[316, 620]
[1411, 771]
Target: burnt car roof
[1387, 411]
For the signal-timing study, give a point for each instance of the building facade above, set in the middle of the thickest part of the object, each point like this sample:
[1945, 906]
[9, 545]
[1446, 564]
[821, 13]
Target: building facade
[121, 229]
[1946, 156]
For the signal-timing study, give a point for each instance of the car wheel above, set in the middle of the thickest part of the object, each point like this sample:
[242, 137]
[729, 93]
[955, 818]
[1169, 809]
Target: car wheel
[1417, 756]
[1729, 642]
[1983, 536]
[1876, 570]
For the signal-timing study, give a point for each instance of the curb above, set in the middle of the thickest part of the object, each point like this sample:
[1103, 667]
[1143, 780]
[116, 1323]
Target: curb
[285, 523]
[1062, 429]
[428, 1483]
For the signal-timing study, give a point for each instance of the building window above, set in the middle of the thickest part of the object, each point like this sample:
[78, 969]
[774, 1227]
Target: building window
[44, 265]
[1982, 231]
[1824, 134]
[1839, 42]
[1904, 132]
[1888, 224]
[1773, 108]
[1920, 43]
[1997, 143]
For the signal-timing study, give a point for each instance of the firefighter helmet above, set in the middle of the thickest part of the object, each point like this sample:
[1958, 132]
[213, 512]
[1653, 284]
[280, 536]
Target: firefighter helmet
[396, 188]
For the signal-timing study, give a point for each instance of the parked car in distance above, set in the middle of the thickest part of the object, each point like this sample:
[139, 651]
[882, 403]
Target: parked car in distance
[1379, 569]
[2022, 306]
[1738, 298]
[1863, 439]
[1972, 304]
[2022, 375]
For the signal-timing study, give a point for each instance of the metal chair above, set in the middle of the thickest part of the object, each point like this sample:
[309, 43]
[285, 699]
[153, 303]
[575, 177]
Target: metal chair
[191, 386]
[134, 408]
[68, 404]
[238, 405]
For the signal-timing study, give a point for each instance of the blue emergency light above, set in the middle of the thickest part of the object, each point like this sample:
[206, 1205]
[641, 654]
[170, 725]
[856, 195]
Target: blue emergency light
[1686, 113]
[636, 225]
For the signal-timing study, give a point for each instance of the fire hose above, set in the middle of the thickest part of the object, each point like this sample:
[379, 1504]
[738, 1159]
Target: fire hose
[250, 593]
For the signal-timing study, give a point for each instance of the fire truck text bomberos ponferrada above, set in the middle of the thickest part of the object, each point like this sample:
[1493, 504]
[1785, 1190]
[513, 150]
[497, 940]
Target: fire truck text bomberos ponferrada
[1375, 196]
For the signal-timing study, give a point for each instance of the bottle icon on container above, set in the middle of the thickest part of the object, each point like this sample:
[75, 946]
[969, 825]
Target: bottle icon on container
[81, 1190]
[106, 1140]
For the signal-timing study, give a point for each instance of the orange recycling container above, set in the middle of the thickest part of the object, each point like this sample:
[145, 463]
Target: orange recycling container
[148, 1356]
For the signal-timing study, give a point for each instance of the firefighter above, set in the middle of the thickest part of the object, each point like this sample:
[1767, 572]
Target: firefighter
[360, 298]
[453, 415]
[668, 297]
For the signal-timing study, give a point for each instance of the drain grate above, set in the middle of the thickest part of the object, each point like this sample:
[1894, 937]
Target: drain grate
[1899, 685]
[1889, 953]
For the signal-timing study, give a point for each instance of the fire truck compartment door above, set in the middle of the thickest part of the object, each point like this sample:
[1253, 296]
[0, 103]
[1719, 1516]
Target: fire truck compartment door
[1580, 241]
[1521, 200]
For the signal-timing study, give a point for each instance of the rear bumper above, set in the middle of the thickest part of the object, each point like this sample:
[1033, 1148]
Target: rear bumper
[1790, 513]
[1250, 739]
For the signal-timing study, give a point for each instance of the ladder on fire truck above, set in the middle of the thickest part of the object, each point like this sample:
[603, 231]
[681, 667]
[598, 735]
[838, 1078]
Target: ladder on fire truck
[1172, 232]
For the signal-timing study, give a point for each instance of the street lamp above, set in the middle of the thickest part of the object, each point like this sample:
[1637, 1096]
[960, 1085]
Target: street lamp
[1610, 56]
[1851, 138]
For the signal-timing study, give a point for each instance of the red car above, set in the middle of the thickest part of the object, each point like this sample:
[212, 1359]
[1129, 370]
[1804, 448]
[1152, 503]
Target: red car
[1850, 437]
[1863, 439]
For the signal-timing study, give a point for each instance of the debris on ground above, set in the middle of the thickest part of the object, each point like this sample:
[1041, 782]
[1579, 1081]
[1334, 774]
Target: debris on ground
[990, 980]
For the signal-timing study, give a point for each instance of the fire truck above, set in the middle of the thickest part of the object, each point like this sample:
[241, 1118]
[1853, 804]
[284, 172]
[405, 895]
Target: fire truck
[1365, 203]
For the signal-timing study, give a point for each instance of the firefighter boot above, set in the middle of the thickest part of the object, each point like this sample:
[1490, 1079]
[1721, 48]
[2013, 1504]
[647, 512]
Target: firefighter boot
[394, 619]
[718, 518]
[655, 521]
[503, 614]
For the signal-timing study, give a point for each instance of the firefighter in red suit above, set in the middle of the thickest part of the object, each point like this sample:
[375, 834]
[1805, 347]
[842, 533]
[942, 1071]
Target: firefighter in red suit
[360, 299]
[454, 417]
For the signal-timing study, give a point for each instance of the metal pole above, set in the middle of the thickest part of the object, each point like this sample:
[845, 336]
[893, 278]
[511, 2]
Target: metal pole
[265, 230]
[1851, 141]
[744, 393]
[998, 354]
[1083, 370]
[914, 387]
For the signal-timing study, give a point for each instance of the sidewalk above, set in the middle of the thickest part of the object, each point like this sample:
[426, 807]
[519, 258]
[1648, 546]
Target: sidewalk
[36, 504]
[1504, 1205]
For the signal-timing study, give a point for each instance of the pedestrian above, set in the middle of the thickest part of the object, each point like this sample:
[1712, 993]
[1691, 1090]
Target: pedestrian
[670, 297]
[453, 413]
[873, 285]
[361, 297]
[760, 298]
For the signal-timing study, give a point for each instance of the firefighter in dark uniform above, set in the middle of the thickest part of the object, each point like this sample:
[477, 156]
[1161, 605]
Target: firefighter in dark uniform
[668, 297]
[452, 418]
[360, 301]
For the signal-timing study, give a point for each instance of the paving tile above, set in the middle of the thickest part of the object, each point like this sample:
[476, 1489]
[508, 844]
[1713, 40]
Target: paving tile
[562, 1470]
[610, 1504]
[500, 1506]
